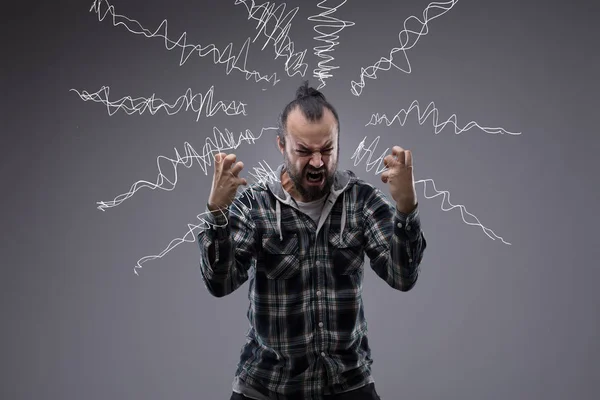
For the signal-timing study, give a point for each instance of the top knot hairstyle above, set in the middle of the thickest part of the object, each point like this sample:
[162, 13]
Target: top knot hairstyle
[311, 102]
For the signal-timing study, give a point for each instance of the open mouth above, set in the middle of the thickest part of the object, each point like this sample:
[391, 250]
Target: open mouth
[314, 177]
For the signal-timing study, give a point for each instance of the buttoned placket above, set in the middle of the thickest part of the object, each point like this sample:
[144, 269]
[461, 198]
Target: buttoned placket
[320, 310]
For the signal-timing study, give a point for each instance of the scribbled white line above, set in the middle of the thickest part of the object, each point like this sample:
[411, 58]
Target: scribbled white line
[263, 174]
[432, 111]
[224, 56]
[153, 104]
[267, 13]
[222, 141]
[362, 152]
[408, 39]
[328, 29]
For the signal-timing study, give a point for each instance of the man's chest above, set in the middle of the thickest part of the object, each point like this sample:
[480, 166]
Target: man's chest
[292, 244]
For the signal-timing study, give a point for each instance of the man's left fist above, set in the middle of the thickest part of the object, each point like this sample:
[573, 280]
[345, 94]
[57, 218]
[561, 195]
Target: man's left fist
[399, 175]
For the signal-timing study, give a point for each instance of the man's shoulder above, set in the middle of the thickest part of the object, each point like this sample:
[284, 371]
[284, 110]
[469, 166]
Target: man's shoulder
[359, 185]
[253, 189]
[253, 196]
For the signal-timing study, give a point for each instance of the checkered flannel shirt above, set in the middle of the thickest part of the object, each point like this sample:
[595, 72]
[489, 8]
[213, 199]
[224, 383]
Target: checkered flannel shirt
[308, 333]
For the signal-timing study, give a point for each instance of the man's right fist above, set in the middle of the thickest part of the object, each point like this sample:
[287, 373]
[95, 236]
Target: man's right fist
[225, 181]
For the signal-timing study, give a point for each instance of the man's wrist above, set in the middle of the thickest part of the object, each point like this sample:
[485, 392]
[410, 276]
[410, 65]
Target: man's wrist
[406, 209]
[217, 210]
[217, 216]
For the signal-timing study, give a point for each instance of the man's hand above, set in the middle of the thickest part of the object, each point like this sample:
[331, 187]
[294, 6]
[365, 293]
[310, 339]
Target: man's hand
[225, 181]
[399, 176]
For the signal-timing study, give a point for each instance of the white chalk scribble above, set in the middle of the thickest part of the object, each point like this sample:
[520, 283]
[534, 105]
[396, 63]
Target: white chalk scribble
[226, 56]
[273, 27]
[377, 163]
[221, 141]
[408, 39]
[431, 111]
[198, 103]
[269, 14]
[262, 175]
[328, 28]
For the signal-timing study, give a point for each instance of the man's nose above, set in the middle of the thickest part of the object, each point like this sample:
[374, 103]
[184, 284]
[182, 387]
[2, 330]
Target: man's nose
[316, 160]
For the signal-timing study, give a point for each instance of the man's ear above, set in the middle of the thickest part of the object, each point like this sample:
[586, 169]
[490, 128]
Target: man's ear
[280, 145]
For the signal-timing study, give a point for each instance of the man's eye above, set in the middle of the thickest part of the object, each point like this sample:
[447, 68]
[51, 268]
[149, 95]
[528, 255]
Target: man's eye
[307, 152]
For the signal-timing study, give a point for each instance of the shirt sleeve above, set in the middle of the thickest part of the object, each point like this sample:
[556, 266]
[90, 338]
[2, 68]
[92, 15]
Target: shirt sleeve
[227, 249]
[395, 242]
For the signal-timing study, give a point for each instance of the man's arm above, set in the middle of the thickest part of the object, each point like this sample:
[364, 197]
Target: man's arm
[227, 249]
[227, 245]
[394, 241]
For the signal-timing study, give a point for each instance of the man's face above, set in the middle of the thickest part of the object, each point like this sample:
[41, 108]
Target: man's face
[311, 153]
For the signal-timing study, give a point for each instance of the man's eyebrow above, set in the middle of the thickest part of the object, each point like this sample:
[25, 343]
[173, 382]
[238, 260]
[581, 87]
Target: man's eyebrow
[329, 143]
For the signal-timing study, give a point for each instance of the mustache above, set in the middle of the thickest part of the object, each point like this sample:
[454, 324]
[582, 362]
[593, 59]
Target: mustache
[315, 171]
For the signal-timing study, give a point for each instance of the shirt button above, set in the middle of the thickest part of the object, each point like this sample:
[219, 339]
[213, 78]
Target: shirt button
[320, 324]
[410, 260]
[318, 292]
[323, 353]
[318, 263]
[408, 227]
[399, 224]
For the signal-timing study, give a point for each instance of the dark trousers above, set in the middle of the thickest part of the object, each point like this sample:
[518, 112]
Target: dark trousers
[367, 392]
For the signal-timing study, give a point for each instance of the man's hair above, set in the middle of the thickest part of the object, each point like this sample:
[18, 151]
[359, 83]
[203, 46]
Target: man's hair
[311, 102]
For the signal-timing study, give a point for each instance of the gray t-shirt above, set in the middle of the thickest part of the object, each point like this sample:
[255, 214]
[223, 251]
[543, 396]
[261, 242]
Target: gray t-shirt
[312, 209]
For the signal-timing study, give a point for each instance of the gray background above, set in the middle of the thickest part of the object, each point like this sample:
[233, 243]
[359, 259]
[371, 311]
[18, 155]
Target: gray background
[485, 321]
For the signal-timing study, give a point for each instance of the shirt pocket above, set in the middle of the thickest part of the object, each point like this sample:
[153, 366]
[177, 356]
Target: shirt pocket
[280, 257]
[347, 251]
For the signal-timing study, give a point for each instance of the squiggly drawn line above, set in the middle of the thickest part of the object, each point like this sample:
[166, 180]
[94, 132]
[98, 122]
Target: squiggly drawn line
[362, 152]
[222, 141]
[432, 111]
[327, 30]
[154, 104]
[262, 174]
[407, 42]
[224, 56]
[284, 47]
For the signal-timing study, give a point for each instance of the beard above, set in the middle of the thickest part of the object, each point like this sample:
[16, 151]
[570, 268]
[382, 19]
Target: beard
[309, 192]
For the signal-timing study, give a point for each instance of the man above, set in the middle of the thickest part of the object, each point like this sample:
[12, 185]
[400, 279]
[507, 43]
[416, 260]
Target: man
[301, 244]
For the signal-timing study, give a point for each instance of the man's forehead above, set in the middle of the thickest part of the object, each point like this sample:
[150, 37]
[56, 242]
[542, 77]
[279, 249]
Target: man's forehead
[312, 133]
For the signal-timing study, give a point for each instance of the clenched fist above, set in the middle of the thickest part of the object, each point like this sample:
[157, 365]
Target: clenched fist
[225, 181]
[399, 176]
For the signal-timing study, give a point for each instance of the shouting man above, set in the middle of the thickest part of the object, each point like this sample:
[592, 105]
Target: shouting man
[301, 243]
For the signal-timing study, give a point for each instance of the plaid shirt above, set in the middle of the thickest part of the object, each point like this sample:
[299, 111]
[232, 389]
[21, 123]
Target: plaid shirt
[308, 333]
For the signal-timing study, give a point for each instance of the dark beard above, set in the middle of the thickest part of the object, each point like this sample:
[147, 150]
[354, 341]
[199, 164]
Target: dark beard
[308, 193]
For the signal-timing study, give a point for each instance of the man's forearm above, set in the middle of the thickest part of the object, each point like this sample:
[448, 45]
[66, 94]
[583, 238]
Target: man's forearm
[217, 219]
[409, 249]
